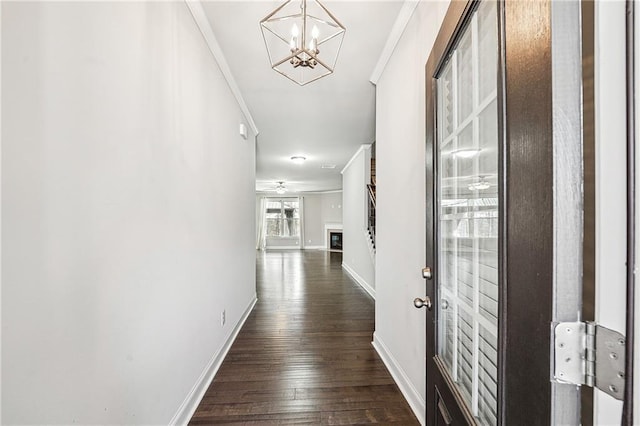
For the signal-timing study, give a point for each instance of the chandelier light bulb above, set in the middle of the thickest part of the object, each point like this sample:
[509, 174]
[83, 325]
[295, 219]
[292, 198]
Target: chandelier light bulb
[293, 44]
[313, 44]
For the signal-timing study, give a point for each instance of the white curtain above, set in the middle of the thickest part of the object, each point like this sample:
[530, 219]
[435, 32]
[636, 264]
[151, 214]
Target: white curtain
[261, 229]
[301, 221]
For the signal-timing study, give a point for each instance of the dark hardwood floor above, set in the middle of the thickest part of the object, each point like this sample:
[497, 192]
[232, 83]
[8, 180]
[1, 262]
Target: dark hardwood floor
[304, 355]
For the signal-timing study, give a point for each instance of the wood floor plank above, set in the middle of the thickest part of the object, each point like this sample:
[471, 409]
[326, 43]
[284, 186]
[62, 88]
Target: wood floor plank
[304, 355]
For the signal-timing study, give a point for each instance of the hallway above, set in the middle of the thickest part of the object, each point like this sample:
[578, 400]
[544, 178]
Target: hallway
[304, 354]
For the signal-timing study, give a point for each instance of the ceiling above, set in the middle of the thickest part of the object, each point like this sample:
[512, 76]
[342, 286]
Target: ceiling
[325, 121]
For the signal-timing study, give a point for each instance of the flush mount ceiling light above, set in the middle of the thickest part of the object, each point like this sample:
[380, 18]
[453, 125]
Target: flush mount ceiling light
[280, 188]
[480, 185]
[466, 152]
[303, 40]
[298, 159]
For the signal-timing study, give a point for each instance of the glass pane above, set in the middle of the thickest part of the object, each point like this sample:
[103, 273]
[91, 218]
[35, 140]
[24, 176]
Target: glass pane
[487, 51]
[291, 226]
[487, 377]
[488, 142]
[465, 152]
[445, 90]
[465, 68]
[282, 218]
[447, 346]
[273, 218]
[468, 206]
[465, 353]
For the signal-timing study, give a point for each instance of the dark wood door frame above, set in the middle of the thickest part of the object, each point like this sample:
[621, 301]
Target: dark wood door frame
[628, 410]
[526, 203]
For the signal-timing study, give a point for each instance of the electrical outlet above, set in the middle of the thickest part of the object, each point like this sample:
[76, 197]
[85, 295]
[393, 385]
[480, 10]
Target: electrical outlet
[223, 317]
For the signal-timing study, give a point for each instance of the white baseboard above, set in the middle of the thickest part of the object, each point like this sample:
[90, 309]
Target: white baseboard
[191, 402]
[411, 394]
[283, 248]
[365, 285]
[315, 248]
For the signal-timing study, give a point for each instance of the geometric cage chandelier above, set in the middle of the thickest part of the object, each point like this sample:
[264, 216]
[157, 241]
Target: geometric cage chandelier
[303, 40]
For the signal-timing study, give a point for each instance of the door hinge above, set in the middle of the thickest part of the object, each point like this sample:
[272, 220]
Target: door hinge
[589, 354]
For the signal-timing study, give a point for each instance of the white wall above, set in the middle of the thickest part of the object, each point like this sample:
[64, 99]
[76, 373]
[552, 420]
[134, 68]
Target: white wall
[356, 257]
[400, 213]
[283, 242]
[610, 151]
[319, 210]
[122, 238]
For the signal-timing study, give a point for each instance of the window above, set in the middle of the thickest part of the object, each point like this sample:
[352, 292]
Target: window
[282, 217]
[469, 215]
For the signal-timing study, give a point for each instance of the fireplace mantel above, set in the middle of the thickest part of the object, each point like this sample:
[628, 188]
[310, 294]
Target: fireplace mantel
[328, 228]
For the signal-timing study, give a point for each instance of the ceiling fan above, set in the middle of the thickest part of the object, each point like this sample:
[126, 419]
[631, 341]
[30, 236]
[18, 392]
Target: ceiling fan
[280, 188]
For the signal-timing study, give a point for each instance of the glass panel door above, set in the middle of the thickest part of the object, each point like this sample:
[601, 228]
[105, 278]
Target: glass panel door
[467, 188]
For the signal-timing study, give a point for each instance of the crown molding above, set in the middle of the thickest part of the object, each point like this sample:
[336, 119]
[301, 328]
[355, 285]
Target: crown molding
[268, 193]
[408, 7]
[203, 24]
[362, 148]
[329, 191]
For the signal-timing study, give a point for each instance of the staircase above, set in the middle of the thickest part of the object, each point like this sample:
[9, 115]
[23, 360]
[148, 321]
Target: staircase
[371, 244]
[371, 223]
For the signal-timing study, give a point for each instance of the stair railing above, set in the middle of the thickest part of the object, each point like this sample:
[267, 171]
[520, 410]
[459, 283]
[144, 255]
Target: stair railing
[372, 212]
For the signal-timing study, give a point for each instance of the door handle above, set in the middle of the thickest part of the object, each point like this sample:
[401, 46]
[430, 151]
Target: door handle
[426, 273]
[419, 303]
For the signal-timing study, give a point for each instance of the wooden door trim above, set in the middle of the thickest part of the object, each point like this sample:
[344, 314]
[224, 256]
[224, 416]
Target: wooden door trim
[455, 19]
[459, 399]
[628, 408]
[527, 282]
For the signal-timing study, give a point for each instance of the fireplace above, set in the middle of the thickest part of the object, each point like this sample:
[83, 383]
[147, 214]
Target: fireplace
[335, 240]
[333, 236]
